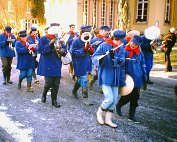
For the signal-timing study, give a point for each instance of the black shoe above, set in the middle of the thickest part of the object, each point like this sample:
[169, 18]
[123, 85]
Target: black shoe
[9, 81]
[55, 104]
[150, 82]
[43, 99]
[4, 83]
[134, 120]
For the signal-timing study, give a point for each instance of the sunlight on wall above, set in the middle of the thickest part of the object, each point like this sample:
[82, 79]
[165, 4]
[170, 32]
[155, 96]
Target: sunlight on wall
[61, 11]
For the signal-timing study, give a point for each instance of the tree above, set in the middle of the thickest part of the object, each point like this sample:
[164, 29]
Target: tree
[38, 10]
[11, 12]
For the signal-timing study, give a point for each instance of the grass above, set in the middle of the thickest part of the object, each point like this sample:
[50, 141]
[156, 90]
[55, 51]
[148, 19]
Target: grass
[159, 57]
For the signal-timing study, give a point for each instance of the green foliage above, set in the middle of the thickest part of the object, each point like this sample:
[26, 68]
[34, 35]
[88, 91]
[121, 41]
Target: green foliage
[38, 10]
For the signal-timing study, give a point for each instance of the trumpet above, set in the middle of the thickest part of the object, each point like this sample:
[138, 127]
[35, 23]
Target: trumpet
[60, 38]
[86, 37]
[58, 42]
[152, 33]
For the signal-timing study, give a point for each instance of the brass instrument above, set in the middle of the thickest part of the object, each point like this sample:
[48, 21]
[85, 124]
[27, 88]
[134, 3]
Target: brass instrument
[60, 38]
[152, 33]
[86, 37]
[58, 45]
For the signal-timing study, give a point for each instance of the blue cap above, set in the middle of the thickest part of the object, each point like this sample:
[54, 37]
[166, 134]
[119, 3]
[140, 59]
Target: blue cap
[33, 29]
[54, 24]
[22, 33]
[137, 40]
[106, 28]
[71, 25]
[119, 35]
[86, 28]
[8, 29]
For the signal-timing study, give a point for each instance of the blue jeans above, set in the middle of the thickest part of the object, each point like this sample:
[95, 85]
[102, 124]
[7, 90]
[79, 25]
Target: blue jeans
[26, 74]
[111, 97]
[83, 81]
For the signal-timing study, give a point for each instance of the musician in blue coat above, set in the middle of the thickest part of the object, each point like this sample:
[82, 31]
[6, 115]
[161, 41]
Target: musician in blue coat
[25, 60]
[50, 63]
[111, 74]
[7, 44]
[95, 42]
[136, 68]
[32, 38]
[148, 56]
[73, 36]
[80, 58]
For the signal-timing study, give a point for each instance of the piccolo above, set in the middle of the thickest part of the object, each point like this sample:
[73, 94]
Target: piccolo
[107, 52]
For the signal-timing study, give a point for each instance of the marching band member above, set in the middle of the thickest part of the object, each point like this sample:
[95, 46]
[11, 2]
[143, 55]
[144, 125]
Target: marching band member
[80, 56]
[148, 56]
[25, 60]
[167, 45]
[32, 38]
[136, 68]
[111, 75]
[130, 34]
[50, 63]
[100, 38]
[73, 36]
[7, 43]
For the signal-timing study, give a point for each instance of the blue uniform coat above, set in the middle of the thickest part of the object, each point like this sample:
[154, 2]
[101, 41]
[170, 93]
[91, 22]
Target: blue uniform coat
[5, 51]
[24, 59]
[148, 53]
[31, 40]
[70, 40]
[111, 73]
[146, 48]
[49, 63]
[80, 58]
[136, 68]
[96, 39]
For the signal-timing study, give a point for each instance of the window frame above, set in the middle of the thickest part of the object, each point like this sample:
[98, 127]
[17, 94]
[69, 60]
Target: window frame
[85, 12]
[167, 11]
[111, 16]
[95, 7]
[103, 12]
[142, 11]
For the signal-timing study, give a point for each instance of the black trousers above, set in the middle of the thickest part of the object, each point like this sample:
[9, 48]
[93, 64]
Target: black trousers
[6, 65]
[167, 60]
[133, 98]
[53, 83]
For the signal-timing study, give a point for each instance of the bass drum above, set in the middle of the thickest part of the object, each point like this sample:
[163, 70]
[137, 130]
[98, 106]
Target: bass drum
[67, 59]
[125, 90]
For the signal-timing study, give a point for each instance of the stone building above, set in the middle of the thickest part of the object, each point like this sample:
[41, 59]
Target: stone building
[136, 14]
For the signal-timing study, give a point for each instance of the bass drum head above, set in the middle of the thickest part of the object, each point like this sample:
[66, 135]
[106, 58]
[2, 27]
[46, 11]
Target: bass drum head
[125, 90]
